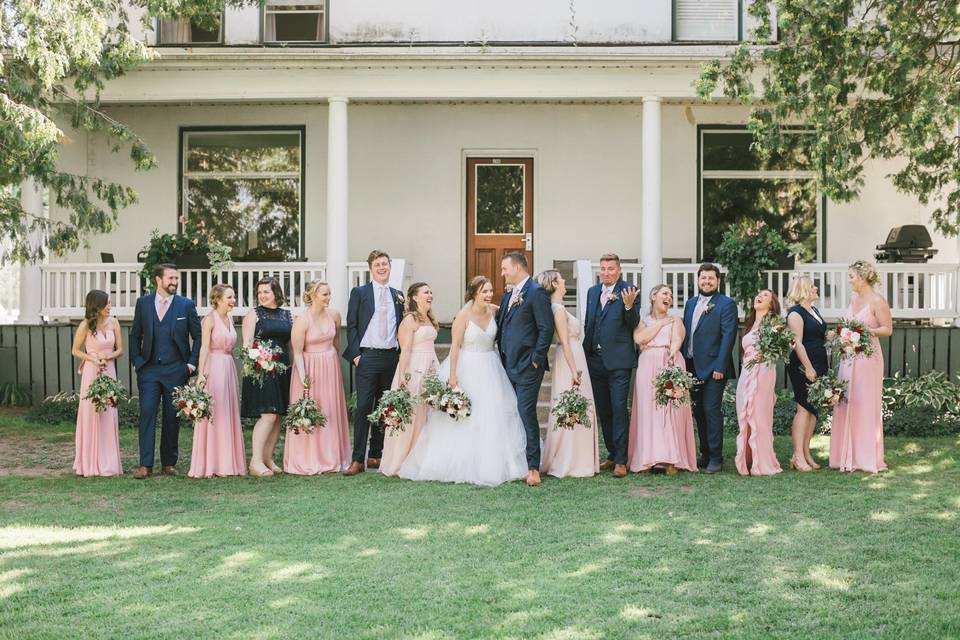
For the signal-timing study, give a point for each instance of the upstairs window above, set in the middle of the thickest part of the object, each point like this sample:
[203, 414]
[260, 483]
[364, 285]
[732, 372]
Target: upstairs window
[713, 20]
[176, 31]
[294, 21]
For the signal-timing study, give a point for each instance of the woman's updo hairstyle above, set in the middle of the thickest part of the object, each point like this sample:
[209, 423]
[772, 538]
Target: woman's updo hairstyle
[866, 272]
[312, 289]
[217, 293]
[548, 280]
[474, 287]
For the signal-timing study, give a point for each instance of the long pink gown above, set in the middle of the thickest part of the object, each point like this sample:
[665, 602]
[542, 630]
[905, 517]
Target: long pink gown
[98, 434]
[397, 446]
[218, 441]
[756, 398]
[327, 449]
[574, 453]
[856, 440]
[658, 435]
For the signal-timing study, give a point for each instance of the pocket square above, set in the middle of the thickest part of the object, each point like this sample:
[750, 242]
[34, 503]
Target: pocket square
[183, 318]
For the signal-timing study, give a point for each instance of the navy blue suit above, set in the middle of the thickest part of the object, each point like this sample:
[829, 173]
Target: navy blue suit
[611, 358]
[160, 352]
[712, 351]
[524, 334]
[375, 372]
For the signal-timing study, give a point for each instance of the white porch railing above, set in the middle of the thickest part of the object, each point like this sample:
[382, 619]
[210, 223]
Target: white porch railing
[914, 291]
[64, 286]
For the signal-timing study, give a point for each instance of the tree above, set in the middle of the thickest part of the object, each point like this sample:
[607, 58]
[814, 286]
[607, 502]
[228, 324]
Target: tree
[55, 57]
[872, 79]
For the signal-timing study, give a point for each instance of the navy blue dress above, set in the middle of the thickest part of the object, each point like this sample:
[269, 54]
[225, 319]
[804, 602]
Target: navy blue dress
[814, 341]
[274, 395]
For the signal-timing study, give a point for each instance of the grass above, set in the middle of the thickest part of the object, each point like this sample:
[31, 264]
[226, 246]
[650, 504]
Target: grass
[815, 555]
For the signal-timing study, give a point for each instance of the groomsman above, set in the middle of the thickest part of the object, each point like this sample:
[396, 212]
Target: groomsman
[373, 316]
[164, 325]
[611, 317]
[710, 320]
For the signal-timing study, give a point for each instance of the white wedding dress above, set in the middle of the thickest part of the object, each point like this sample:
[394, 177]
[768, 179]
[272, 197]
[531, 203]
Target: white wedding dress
[487, 448]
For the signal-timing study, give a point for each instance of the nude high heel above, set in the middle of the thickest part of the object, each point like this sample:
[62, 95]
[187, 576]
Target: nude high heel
[802, 467]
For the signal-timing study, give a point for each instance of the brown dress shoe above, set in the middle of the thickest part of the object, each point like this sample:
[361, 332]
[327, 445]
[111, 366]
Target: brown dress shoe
[354, 468]
[533, 478]
[168, 470]
[142, 472]
[373, 463]
[606, 465]
[619, 471]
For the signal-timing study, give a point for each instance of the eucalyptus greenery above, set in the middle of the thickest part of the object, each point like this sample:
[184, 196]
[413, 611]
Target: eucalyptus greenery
[872, 79]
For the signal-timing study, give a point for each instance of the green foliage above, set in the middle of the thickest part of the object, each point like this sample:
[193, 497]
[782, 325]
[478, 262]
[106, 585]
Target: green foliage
[63, 408]
[872, 80]
[748, 249]
[14, 395]
[167, 247]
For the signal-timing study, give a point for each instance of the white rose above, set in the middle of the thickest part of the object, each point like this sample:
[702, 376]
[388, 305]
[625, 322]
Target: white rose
[854, 337]
[828, 394]
[253, 353]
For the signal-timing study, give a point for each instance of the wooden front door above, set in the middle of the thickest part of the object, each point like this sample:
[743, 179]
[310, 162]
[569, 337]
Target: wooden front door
[499, 215]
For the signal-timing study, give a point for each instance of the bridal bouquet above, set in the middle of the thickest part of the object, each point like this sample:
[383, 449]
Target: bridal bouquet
[260, 359]
[394, 411]
[827, 391]
[774, 342]
[572, 408]
[193, 402]
[672, 387]
[439, 395]
[853, 339]
[304, 414]
[105, 392]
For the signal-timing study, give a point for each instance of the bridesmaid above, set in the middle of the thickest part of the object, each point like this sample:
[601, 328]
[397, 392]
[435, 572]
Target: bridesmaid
[660, 437]
[269, 401]
[856, 441]
[807, 362]
[757, 397]
[97, 343]
[315, 342]
[574, 453]
[416, 335]
[218, 442]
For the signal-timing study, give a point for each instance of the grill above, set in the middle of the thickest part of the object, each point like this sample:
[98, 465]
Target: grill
[909, 243]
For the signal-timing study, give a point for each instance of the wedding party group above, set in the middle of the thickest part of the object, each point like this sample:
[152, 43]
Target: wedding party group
[472, 418]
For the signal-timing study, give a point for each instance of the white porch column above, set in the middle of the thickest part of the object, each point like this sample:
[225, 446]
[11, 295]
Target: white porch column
[337, 192]
[31, 199]
[650, 218]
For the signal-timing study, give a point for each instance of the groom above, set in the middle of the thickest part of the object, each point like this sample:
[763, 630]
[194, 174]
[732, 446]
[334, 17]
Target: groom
[164, 325]
[710, 320]
[525, 330]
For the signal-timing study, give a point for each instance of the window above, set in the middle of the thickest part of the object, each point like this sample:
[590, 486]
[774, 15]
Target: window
[294, 21]
[735, 185]
[187, 32]
[706, 20]
[246, 186]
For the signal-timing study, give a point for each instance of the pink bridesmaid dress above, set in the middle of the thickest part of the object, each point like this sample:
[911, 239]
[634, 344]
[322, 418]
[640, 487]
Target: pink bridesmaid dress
[98, 434]
[856, 439]
[574, 453]
[218, 441]
[327, 449]
[756, 398]
[397, 446]
[658, 436]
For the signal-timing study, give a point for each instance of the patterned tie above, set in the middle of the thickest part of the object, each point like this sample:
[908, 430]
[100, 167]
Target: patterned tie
[697, 314]
[382, 306]
[163, 308]
[513, 297]
[604, 298]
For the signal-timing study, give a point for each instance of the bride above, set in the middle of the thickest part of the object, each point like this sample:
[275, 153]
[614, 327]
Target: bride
[487, 448]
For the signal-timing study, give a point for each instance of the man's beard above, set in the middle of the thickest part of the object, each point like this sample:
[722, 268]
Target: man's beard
[706, 293]
[170, 288]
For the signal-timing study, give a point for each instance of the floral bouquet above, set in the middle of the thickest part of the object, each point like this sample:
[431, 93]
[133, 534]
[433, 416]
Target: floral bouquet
[193, 403]
[439, 395]
[827, 391]
[105, 392]
[853, 339]
[774, 342]
[394, 411]
[572, 408]
[304, 414]
[672, 387]
[260, 359]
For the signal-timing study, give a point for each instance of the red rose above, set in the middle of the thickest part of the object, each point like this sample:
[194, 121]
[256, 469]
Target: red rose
[668, 384]
[276, 356]
[182, 404]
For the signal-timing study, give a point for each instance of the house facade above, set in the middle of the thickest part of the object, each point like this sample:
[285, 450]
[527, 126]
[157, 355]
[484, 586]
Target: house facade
[305, 134]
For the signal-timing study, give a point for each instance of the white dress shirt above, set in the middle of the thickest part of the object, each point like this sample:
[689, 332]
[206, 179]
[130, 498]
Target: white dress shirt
[371, 337]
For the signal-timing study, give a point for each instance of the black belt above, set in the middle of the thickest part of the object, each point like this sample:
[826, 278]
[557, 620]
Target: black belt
[392, 350]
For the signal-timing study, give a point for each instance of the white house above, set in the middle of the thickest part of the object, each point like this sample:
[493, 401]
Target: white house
[308, 132]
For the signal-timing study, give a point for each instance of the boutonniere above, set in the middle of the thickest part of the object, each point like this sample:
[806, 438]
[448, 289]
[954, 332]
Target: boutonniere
[398, 297]
[517, 301]
[707, 309]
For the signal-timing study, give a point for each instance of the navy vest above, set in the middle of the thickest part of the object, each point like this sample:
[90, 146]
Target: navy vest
[163, 350]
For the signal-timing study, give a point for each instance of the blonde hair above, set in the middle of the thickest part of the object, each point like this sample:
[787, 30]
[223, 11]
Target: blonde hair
[866, 272]
[656, 289]
[548, 280]
[610, 257]
[311, 290]
[217, 293]
[800, 289]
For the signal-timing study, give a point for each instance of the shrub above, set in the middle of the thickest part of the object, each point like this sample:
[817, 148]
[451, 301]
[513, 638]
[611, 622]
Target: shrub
[14, 395]
[63, 408]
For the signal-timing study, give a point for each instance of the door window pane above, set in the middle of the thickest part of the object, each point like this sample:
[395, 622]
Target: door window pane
[500, 198]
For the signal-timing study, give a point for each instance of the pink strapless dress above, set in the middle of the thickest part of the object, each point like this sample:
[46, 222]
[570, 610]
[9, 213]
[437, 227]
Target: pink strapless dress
[218, 442]
[98, 434]
[326, 450]
[756, 398]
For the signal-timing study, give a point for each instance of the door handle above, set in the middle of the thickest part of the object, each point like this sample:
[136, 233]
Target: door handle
[528, 241]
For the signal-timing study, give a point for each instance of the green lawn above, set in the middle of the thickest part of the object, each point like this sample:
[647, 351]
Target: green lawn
[799, 555]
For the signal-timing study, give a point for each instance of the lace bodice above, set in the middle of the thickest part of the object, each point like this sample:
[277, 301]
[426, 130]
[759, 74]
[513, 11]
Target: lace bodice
[476, 338]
